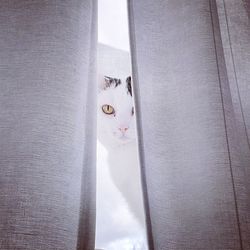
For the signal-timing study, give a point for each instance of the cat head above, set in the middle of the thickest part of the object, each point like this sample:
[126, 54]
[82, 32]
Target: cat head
[116, 119]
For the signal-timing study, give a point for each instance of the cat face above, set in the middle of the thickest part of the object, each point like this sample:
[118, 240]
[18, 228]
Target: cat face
[116, 121]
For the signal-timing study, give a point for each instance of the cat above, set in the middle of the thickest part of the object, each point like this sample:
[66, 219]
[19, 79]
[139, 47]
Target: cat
[117, 132]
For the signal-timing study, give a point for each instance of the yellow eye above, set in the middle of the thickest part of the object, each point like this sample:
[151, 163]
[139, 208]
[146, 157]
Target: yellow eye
[108, 109]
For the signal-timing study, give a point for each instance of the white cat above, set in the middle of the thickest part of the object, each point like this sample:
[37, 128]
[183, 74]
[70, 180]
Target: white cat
[117, 132]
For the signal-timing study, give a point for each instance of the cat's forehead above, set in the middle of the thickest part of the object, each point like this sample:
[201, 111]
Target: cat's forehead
[117, 95]
[121, 94]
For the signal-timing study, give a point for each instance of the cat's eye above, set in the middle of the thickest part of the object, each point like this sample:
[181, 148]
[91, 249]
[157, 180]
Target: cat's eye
[133, 111]
[108, 109]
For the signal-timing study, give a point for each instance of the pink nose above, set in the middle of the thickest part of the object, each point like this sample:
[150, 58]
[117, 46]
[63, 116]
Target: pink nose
[123, 129]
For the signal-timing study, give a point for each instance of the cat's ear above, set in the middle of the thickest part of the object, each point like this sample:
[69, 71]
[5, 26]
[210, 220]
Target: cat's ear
[129, 85]
[107, 81]
[104, 82]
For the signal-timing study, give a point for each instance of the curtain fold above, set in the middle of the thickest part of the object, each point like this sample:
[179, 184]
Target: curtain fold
[192, 116]
[47, 124]
[234, 25]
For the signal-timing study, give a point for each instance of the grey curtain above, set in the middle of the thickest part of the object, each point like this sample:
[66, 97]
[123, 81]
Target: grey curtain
[191, 71]
[47, 124]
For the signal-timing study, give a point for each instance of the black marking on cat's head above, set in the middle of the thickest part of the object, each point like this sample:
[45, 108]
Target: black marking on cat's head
[109, 81]
[129, 85]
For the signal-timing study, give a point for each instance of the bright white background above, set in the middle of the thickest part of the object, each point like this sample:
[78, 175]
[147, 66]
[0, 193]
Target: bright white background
[113, 23]
[116, 227]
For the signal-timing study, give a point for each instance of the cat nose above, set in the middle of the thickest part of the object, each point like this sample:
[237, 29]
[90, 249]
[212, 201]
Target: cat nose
[123, 129]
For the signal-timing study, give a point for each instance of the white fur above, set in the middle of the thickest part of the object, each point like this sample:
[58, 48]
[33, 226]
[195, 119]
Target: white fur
[121, 146]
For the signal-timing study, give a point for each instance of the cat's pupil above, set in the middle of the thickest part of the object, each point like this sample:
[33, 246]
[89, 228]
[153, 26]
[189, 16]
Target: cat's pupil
[133, 111]
[108, 109]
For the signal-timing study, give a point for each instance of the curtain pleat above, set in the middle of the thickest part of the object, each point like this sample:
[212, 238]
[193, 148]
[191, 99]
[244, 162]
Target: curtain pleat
[191, 91]
[234, 25]
[47, 124]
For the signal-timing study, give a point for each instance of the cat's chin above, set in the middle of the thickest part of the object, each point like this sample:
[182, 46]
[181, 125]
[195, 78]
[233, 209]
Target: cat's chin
[123, 140]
